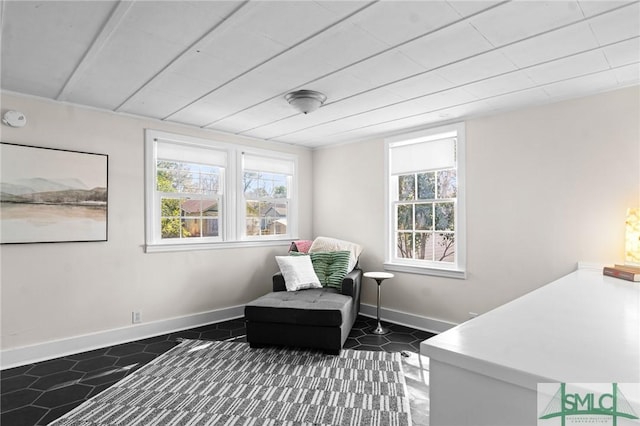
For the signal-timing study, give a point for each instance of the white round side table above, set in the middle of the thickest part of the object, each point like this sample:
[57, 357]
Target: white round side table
[379, 277]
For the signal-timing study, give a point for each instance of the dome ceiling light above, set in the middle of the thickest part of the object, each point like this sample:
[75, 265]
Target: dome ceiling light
[305, 101]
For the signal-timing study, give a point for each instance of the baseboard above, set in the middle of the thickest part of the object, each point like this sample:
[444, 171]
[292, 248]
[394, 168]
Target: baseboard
[410, 320]
[16, 357]
[591, 266]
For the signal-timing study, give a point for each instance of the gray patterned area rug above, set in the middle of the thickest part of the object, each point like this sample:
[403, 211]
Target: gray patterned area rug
[228, 383]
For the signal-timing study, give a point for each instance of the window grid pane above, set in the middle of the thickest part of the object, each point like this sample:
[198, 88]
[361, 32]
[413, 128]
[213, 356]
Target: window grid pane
[175, 176]
[406, 187]
[404, 248]
[426, 186]
[423, 245]
[425, 230]
[447, 184]
[444, 247]
[188, 217]
[424, 216]
[444, 215]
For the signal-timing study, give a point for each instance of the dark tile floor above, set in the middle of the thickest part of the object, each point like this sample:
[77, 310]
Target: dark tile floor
[37, 394]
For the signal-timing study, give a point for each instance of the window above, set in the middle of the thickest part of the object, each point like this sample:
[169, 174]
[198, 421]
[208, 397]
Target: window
[425, 193]
[266, 189]
[204, 194]
[189, 189]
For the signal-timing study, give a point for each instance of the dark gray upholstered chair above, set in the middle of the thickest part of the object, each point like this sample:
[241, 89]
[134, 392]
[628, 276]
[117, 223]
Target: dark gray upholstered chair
[318, 318]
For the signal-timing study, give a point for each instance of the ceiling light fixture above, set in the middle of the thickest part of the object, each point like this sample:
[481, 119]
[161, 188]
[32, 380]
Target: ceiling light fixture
[305, 101]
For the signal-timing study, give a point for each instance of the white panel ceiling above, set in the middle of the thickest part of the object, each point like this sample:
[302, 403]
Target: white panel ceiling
[385, 66]
[518, 20]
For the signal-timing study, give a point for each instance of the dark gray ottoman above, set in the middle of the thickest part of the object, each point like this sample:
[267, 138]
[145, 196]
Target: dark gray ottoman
[314, 318]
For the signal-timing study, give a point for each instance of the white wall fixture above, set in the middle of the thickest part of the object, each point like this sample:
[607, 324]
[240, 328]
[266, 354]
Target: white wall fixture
[14, 119]
[305, 101]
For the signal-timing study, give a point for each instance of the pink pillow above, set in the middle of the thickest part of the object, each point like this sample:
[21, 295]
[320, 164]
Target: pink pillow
[302, 246]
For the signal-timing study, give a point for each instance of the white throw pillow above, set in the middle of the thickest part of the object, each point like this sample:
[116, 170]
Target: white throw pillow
[298, 272]
[333, 244]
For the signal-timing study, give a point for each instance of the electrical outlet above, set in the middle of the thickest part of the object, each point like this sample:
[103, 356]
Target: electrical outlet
[136, 317]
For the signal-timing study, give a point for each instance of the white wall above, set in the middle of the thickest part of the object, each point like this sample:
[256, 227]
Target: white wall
[546, 187]
[58, 291]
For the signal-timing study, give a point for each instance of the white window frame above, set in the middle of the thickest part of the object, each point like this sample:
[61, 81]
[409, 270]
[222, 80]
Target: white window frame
[231, 225]
[455, 269]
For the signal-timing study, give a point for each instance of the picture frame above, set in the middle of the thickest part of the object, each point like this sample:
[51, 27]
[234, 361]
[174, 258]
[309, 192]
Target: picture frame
[50, 195]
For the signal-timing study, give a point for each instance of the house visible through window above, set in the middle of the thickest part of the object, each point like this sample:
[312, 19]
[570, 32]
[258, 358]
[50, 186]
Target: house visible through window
[425, 214]
[205, 194]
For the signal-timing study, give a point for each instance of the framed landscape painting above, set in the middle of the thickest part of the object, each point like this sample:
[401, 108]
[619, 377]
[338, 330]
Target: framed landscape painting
[52, 195]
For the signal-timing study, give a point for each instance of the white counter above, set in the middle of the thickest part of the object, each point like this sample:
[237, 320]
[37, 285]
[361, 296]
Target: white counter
[582, 328]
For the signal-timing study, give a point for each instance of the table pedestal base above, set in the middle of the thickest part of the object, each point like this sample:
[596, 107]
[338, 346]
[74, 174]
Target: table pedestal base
[379, 329]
